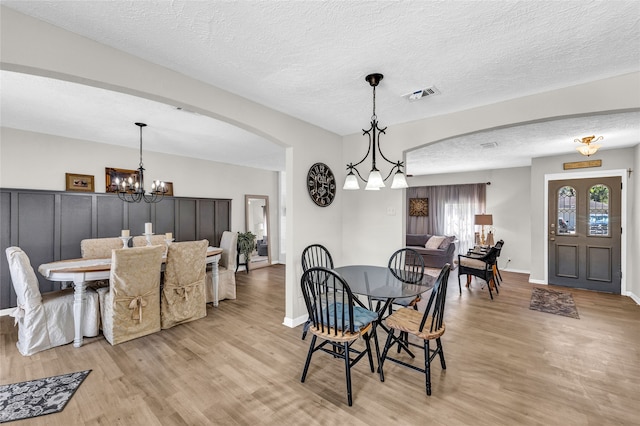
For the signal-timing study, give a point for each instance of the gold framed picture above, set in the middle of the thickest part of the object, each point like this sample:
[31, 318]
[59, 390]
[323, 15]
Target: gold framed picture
[80, 183]
[418, 207]
[169, 189]
[111, 174]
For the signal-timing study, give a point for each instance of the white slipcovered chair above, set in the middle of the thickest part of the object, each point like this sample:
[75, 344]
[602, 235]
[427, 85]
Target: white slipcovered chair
[183, 297]
[156, 240]
[130, 306]
[226, 269]
[45, 320]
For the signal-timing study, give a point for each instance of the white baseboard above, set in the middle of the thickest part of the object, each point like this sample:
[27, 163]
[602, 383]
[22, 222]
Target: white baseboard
[294, 322]
[634, 297]
[518, 271]
[5, 312]
[543, 282]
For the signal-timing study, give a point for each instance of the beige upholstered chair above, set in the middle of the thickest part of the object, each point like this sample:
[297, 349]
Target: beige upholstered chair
[45, 320]
[130, 306]
[183, 297]
[99, 248]
[226, 269]
[156, 240]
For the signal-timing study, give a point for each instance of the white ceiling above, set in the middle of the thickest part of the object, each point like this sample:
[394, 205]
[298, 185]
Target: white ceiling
[308, 59]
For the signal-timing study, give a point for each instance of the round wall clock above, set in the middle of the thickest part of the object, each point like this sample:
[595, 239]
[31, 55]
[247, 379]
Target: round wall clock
[321, 184]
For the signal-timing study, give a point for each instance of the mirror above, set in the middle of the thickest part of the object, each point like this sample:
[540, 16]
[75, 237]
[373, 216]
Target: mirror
[256, 209]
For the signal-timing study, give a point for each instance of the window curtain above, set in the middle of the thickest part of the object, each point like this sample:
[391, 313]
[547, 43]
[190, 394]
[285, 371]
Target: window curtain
[451, 211]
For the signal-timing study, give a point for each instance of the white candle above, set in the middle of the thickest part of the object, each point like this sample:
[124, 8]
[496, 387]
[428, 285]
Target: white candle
[168, 236]
[125, 233]
[147, 228]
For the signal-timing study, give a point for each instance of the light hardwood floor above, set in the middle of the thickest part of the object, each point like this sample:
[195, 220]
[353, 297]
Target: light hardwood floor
[506, 365]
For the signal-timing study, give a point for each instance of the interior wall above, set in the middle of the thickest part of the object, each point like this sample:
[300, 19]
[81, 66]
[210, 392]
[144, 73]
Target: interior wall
[633, 283]
[508, 200]
[373, 221]
[38, 161]
[32, 46]
[612, 160]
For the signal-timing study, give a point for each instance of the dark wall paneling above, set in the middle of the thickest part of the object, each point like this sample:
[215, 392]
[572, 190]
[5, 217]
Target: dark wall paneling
[186, 220]
[110, 216]
[139, 214]
[165, 216]
[222, 217]
[5, 240]
[75, 223]
[206, 217]
[49, 225]
[36, 230]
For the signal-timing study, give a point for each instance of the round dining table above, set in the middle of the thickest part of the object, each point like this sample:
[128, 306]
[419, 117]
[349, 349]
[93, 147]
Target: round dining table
[378, 282]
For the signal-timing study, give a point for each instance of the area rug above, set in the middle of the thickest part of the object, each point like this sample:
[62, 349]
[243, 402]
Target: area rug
[38, 397]
[553, 302]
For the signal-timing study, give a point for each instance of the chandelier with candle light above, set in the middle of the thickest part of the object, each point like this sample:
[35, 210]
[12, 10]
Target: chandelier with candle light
[132, 190]
[375, 180]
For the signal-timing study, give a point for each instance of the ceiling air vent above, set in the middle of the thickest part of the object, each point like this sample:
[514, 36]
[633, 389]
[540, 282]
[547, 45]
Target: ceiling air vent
[422, 93]
[488, 145]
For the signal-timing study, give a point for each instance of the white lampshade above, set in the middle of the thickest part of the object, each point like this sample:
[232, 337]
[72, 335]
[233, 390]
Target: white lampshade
[375, 181]
[588, 150]
[351, 182]
[399, 181]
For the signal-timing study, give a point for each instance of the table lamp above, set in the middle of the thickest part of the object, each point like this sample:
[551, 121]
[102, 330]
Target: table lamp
[483, 219]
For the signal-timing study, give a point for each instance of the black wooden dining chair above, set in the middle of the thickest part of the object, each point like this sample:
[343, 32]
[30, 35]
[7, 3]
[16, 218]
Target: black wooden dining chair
[337, 321]
[480, 266]
[425, 326]
[315, 255]
[407, 265]
[496, 271]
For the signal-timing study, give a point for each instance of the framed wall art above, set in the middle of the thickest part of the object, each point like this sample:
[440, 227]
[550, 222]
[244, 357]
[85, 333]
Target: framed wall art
[418, 207]
[169, 189]
[111, 174]
[81, 183]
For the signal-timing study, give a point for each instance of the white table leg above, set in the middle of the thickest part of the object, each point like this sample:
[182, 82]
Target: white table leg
[215, 276]
[80, 287]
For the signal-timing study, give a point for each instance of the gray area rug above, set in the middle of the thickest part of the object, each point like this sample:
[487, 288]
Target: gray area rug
[553, 302]
[38, 397]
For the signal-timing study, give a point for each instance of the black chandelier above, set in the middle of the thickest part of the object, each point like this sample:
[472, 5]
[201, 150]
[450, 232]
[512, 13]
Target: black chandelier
[375, 181]
[132, 190]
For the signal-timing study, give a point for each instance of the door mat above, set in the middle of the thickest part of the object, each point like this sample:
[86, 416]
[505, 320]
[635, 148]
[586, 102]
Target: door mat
[553, 302]
[35, 398]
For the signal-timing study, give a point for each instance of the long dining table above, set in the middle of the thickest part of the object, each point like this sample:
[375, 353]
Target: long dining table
[81, 271]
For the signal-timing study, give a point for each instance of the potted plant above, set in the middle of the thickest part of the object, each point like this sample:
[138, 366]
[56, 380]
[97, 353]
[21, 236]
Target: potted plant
[246, 244]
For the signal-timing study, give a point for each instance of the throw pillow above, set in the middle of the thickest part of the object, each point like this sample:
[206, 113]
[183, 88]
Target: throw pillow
[434, 242]
[416, 239]
[446, 242]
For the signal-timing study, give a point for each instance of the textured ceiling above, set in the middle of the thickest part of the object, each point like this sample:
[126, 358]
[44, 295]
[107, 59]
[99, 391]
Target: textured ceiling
[309, 59]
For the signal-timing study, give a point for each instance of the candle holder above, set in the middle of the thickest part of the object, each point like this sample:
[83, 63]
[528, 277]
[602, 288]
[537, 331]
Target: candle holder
[125, 242]
[167, 242]
[148, 238]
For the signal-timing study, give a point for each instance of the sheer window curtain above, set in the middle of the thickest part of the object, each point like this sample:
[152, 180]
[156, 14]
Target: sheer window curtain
[451, 211]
